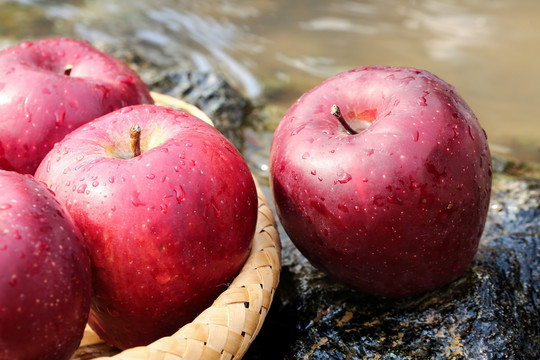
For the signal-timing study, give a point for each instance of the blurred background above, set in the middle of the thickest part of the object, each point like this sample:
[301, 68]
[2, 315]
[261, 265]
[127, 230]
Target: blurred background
[274, 50]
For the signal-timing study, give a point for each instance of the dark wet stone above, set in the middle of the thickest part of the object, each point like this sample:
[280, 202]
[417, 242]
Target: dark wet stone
[209, 91]
[491, 312]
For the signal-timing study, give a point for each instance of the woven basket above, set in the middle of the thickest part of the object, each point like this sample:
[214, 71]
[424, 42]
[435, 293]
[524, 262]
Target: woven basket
[226, 329]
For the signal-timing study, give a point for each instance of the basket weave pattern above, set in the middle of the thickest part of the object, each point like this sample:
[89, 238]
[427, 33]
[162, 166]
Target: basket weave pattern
[226, 329]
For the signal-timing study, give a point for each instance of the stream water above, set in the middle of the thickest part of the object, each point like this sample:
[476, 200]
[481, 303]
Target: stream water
[274, 50]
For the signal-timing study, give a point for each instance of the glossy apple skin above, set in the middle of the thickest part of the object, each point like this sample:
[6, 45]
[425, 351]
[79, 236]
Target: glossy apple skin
[397, 209]
[45, 274]
[40, 104]
[167, 229]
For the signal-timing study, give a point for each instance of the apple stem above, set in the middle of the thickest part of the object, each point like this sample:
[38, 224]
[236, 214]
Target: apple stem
[67, 69]
[135, 140]
[337, 113]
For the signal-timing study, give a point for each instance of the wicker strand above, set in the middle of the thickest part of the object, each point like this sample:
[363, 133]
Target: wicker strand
[166, 100]
[227, 328]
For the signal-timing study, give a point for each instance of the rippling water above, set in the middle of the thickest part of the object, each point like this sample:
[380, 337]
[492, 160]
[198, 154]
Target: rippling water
[277, 49]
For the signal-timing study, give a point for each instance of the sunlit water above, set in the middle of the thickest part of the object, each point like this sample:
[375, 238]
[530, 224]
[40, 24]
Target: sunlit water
[276, 50]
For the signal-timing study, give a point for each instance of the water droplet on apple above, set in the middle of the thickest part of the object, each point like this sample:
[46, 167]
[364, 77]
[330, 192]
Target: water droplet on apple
[179, 193]
[95, 183]
[343, 177]
[81, 188]
[164, 208]
[5, 206]
[471, 134]
[378, 200]
[406, 80]
[60, 115]
[357, 208]
[394, 199]
[135, 199]
[126, 79]
[42, 246]
[416, 136]
[27, 113]
[150, 176]
[113, 208]
[305, 156]
[422, 101]
[298, 129]
[111, 179]
[105, 91]
[217, 212]
[13, 280]
[163, 278]
[313, 172]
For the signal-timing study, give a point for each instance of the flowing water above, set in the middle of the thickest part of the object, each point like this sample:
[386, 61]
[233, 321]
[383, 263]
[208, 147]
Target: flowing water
[274, 50]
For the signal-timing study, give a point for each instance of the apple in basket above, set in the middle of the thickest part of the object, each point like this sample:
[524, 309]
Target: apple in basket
[168, 207]
[45, 284]
[381, 177]
[51, 86]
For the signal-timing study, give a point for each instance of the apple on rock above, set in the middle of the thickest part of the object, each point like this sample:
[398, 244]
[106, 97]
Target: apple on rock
[51, 86]
[45, 273]
[381, 177]
[168, 207]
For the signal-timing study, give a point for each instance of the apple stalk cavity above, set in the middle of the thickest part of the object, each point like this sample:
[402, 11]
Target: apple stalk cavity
[67, 70]
[335, 111]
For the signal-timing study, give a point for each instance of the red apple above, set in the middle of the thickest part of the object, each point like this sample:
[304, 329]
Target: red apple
[52, 86]
[388, 190]
[45, 285]
[167, 229]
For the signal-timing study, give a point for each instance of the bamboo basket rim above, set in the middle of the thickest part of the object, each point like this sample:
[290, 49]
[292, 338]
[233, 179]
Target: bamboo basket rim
[226, 329]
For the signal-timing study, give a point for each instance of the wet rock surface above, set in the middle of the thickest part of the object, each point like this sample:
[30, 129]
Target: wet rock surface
[492, 312]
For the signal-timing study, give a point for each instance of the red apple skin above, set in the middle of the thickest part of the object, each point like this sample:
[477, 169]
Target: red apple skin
[398, 208]
[40, 104]
[167, 230]
[45, 274]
